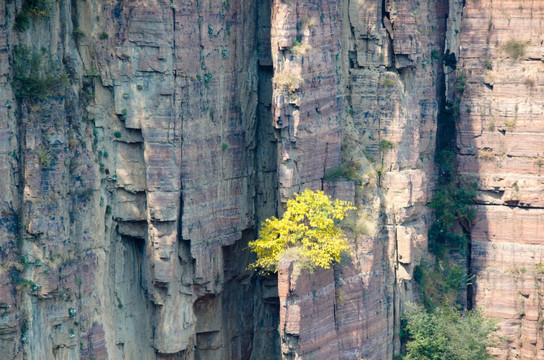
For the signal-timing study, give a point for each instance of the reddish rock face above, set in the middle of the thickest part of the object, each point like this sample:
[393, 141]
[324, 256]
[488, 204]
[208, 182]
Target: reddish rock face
[385, 84]
[128, 194]
[498, 138]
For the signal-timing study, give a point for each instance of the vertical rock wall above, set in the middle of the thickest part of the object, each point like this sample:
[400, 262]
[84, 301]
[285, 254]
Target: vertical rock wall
[499, 141]
[131, 192]
[373, 70]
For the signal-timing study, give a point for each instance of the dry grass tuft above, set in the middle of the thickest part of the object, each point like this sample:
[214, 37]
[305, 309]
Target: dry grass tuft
[288, 81]
[486, 155]
[301, 49]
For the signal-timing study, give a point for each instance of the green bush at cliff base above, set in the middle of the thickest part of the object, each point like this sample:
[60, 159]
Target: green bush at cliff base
[447, 333]
[440, 283]
[308, 228]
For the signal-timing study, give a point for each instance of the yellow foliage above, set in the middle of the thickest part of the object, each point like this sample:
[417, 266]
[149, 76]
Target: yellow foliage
[308, 225]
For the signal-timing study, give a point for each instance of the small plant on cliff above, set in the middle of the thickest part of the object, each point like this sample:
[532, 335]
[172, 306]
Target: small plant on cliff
[36, 75]
[440, 283]
[287, 81]
[515, 48]
[309, 227]
[78, 34]
[386, 145]
[452, 203]
[32, 9]
[45, 158]
[300, 49]
[446, 333]
[388, 82]
[346, 170]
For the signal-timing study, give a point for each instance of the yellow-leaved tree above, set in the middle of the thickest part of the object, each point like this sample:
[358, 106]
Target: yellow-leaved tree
[308, 225]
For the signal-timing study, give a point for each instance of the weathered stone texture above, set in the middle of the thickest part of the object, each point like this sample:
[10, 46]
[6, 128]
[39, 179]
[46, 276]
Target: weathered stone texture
[135, 180]
[390, 83]
[128, 198]
[499, 137]
[307, 118]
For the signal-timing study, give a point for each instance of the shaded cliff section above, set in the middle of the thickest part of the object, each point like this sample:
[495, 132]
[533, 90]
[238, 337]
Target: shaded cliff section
[132, 186]
[499, 146]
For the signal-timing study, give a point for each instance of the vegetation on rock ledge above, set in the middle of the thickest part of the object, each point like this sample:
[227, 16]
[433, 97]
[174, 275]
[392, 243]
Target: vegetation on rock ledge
[309, 227]
[36, 75]
[32, 9]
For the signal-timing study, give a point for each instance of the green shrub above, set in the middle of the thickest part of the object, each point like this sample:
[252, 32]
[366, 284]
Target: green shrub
[210, 31]
[299, 48]
[491, 126]
[452, 203]
[446, 333]
[32, 9]
[45, 158]
[117, 134]
[439, 283]
[78, 34]
[460, 82]
[435, 55]
[92, 73]
[510, 124]
[389, 82]
[22, 22]
[207, 79]
[344, 171]
[514, 48]
[36, 76]
[386, 145]
[103, 36]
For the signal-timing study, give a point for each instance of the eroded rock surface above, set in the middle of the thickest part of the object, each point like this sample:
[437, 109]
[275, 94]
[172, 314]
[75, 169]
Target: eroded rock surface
[499, 140]
[125, 191]
[385, 63]
[129, 193]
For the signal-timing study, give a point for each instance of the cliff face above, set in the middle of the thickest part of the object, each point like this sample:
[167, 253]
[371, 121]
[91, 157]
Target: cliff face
[166, 130]
[499, 144]
[131, 191]
[387, 81]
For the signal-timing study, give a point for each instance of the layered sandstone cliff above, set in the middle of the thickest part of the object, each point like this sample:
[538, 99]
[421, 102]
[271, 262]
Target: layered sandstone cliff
[499, 144]
[387, 83]
[129, 192]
